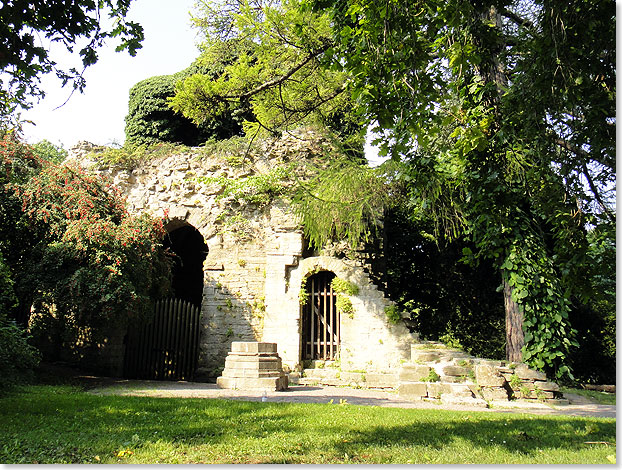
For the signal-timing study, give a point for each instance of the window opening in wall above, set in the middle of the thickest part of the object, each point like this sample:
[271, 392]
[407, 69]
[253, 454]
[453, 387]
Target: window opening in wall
[320, 319]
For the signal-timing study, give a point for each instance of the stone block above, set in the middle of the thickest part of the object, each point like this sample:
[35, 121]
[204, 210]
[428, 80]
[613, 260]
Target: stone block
[454, 380]
[252, 362]
[494, 393]
[248, 383]
[252, 373]
[413, 372]
[547, 386]
[436, 390]
[488, 376]
[352, 377]
[455, 371]
[252, 347]
[424, 356]
[525, 372]
[413, 390]
[379, 380]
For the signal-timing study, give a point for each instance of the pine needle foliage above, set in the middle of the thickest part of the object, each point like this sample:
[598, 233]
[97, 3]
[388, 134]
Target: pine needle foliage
[337, 203]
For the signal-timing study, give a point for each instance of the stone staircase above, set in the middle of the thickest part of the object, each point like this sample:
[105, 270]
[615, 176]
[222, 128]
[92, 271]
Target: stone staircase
[441, 374]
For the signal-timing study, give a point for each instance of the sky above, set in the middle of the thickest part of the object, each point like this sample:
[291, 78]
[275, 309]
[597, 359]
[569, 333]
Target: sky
[98, 114]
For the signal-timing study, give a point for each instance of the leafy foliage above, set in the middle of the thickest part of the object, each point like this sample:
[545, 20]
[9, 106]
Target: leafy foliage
[257, 189]
[272, 71]
[72, 248]
[17, 358]
[151, 120]
[442, 297]
[492, 104]
[98, 263]
[23, 58]
[337, 203]
[46, 150]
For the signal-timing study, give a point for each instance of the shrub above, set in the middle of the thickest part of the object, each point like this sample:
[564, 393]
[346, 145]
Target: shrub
[393, 314]
[17, 358]
[150, 119]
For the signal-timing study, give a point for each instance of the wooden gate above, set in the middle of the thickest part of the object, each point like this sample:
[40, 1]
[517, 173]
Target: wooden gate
[320, 319]
[166, 348]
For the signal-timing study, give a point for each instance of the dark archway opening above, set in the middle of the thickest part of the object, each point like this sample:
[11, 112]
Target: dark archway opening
[320, 319]
[190, 251]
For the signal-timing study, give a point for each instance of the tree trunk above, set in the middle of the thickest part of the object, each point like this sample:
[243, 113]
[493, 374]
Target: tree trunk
[514, 335]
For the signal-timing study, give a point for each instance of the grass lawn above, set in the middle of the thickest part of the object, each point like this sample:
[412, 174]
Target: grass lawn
[62, 424]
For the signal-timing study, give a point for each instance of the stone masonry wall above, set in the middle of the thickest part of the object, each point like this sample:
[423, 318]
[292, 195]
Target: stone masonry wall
[254, 268]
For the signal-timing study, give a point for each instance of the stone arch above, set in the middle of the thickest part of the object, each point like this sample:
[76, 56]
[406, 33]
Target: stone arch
[190, 250]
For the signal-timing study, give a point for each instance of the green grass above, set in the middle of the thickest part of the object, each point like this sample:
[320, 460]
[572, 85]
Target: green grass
[604, 398]
[62, 424]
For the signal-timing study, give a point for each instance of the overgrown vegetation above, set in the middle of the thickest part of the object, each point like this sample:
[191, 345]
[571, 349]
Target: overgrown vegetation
[259, 189]
[344, 289]
[76, 257]
[39, 425]
[150, 119]
[132, 156]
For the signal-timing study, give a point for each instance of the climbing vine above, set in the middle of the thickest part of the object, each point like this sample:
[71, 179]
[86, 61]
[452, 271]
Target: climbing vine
[548, 333]
[344, 289]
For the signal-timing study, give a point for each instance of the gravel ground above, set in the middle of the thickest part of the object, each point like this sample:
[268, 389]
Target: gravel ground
[577, 406]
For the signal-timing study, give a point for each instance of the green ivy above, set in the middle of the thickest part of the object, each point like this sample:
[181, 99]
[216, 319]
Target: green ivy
[393, 314]
[344, 289]
[259, 189]
[342, 286]
[549, 336]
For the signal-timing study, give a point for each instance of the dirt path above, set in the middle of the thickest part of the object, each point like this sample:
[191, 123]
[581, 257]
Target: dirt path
[578, 406]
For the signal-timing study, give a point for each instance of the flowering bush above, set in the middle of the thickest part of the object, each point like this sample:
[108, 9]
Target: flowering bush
[93, 260]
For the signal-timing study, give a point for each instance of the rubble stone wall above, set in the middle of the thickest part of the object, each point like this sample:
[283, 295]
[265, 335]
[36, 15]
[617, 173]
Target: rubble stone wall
[254, 267]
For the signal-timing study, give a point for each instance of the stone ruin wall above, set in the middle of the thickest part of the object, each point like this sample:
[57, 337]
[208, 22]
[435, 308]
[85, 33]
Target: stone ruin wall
[252, 273]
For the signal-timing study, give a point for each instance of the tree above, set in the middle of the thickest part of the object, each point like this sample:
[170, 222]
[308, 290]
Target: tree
[503, 111]
[506, 113]
[24, 57]
[271, 71]
[150, 118]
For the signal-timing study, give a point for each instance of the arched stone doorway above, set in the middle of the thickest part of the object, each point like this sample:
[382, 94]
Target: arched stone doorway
[321, 323]
[190, 250]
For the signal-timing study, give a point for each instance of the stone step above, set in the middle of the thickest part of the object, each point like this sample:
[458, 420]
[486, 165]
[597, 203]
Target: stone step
[320, 373]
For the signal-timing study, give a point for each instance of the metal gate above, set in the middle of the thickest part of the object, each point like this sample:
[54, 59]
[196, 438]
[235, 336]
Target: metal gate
[166, 348]
[320, 319]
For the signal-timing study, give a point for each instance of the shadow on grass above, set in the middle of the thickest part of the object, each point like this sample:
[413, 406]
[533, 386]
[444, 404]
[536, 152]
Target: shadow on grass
[64, 425]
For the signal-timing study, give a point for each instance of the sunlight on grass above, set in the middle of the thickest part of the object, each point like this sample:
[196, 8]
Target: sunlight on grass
[47, 424]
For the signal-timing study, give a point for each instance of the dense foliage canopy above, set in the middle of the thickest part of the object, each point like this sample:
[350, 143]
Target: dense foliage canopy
[150, 118]
[503, 113]
[270, 53]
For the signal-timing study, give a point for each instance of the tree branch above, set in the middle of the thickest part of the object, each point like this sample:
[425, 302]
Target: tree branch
[585, 170]
[518, 20]
[278, 80]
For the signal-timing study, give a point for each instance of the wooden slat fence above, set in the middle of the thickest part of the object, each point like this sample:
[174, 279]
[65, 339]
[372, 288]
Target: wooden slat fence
[167, 348]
